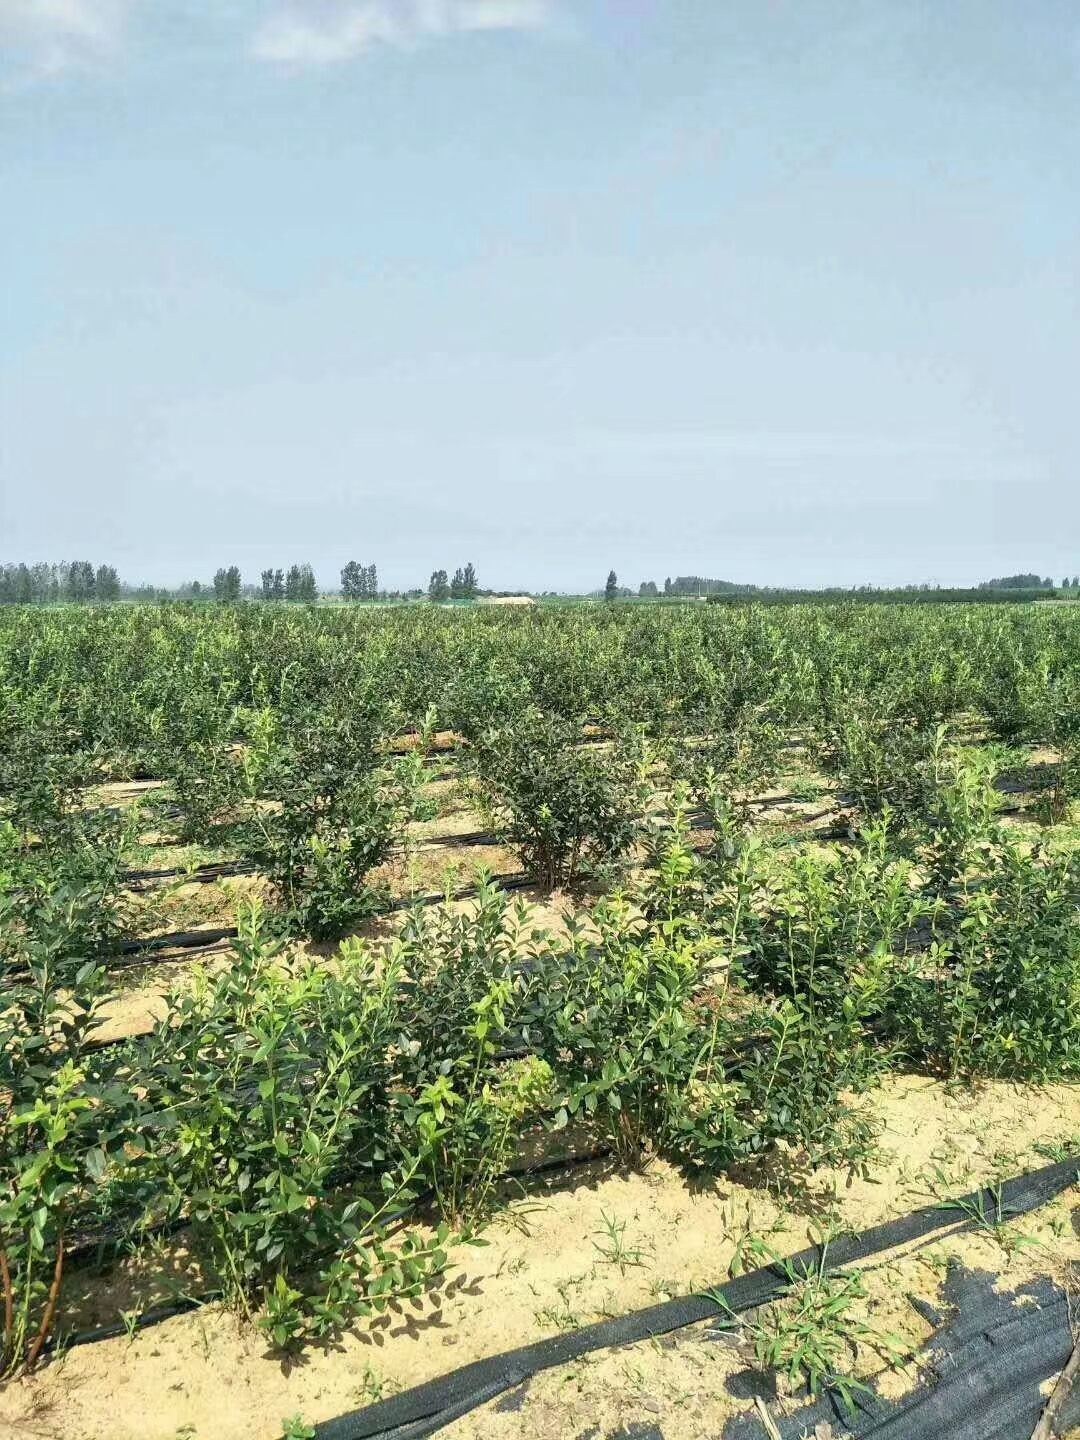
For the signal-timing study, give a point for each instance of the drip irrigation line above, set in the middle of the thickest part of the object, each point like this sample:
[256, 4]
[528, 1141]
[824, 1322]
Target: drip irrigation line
[104, 1246]
[473, 837]
[427, 1408]
[204, 939]
[204, 875]
[839, 831]
[470, 892]
[179, 940]
[156, 1316]
[208, 874]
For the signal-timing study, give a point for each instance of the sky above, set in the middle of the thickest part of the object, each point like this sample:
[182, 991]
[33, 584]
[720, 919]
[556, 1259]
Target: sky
[778, 291]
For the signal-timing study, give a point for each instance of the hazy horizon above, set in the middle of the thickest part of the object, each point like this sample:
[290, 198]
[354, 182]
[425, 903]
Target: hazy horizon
[785, 294]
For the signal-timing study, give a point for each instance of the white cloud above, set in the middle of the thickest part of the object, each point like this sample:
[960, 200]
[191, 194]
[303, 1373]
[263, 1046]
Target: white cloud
[331, 31]
[51, 35]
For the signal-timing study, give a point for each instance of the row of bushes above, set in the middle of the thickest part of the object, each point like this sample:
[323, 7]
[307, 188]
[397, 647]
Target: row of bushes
[325, 1130]
[291, 1112]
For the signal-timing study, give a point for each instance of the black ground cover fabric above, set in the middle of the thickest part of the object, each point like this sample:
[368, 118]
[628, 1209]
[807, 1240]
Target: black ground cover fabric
[427, 1408]
[982, 1375]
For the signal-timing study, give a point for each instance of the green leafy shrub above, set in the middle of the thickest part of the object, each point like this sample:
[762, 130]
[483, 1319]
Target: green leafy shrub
[567, 809]
[465, 981]
[825, 926]
[324, 810]
[66, 1108]
[657, 1045]
[729, 739]
[882, 759]
[998, 993]
[280, 1133]
[960, 811]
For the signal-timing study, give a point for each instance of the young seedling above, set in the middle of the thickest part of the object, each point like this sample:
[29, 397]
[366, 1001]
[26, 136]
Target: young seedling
[992, 1217]
[295, 1427]
[613, 1248]
[373, 1387]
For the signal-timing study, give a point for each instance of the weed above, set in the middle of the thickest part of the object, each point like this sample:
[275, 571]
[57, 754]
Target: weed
[808, 1334]
[296, 1428]
[612, 1247]
[558, 1317]
[373, 1387]
[511, 1265]
[1067, 1148]
[988, 1213]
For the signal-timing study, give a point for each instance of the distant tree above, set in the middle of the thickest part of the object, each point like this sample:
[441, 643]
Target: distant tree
[359, 582]
[611, 588]
[701, 585]
[647, 589]
[300, 587]
[106, 584]
[227, 586]
[469, 586]
[24, 586]
[667, 586]
[438, 587]
[266, 591]
[45, 587]
[196, 588]
[79, 581]
[457, 585]
[351, 581]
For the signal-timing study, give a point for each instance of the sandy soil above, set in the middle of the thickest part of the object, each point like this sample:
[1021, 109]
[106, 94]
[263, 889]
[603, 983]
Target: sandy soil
[545, 1268]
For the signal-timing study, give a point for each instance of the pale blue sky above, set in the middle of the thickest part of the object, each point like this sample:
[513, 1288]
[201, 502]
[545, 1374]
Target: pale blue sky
[778, 291]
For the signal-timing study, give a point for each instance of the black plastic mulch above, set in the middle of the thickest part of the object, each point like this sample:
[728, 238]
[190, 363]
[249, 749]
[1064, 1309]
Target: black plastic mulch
[982, 1378]
[999, 1354]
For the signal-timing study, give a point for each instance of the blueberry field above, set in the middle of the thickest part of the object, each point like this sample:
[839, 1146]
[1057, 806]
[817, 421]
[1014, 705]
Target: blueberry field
[327, 932]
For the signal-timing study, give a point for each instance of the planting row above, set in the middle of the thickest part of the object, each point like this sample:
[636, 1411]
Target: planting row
[325, 1129]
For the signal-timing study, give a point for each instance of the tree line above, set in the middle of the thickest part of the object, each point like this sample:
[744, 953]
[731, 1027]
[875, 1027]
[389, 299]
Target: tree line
[1029, 582]
[80, 582]
[73, 582]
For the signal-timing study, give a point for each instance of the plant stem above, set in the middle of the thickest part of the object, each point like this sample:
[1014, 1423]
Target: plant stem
[1047, 1426]
[9, 1312]
[50, 1306]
